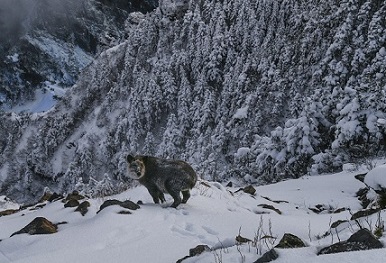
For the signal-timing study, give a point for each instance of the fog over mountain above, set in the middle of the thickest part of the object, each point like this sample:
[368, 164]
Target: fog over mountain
[46, 42]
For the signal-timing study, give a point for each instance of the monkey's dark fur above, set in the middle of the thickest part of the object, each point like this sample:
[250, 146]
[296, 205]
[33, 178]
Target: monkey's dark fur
[163, 176]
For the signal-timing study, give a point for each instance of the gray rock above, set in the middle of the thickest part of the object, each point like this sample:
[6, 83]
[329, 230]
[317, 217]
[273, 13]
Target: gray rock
[361, 240]
[38, 226]
[268, 257]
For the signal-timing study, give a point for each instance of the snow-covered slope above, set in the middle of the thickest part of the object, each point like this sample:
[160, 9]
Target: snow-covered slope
[213, 216]
[55, 40]
[253, 90]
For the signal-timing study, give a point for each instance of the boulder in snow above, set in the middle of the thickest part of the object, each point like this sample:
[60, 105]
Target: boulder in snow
[39, 225]
[125, 204]
[290, 241]
[268, 256]
[83, 207]
[361, 240]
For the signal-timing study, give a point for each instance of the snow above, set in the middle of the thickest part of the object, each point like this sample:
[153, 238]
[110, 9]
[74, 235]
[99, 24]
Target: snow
[242, 152]
[241, 113]
[44, 99]
[14, 58]
[213, 216]
[376, 178]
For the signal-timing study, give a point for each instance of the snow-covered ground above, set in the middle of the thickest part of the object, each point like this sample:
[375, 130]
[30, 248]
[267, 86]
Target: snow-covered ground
[213, 216]
[44, 99]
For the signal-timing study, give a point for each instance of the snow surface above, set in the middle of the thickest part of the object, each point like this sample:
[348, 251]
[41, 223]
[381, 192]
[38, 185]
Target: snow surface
[376, 178]
[213, 216]
[44, 99]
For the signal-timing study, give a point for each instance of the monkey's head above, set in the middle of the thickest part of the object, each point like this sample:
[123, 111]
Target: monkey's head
[135, 167]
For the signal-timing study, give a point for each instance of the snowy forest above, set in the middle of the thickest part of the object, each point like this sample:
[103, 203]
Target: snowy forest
[258, 91]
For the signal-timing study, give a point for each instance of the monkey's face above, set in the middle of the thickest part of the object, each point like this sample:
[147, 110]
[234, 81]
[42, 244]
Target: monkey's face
[135, 167]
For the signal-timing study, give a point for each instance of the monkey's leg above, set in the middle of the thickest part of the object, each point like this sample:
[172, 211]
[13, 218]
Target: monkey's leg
[161, 196]
[174, 192]
[154, 192]
[185, 196]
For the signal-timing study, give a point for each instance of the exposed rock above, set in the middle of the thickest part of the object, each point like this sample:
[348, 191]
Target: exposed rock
[8, 212]
[129, 205]
[83, 207]
[270, 207]
[71, 203]
[124, 212]
[50, 197]
[74, 196]
[275, 201]
[361, 240]
[362, 196]
[249, 190]
[198, 250]
[268, 256]
[125, 204]
[339, 210]
[361, 177]
[36, 207]
[241, 239]
[290, 241]
[363, 213]
[337, 223]
[39, 225]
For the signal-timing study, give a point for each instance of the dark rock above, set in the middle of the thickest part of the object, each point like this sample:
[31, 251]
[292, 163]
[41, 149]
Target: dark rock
[124, 212]
[361, 240]
[363, 213]
[320, 208]
[55, 197]
[268, 256]
[249, 190]
[198, 250]
[340, 210]
[230, 184]
[362, 196]
[270, 207]
[361, 177]
[72, 203]
[125, 204]
[109, 203]
[50, 197]
[275, 201]
[337, 223]
[290, 241]
[8, 212]
[241, 239]
[129, 205]
[365, 236]
[83, 207]
[39, 225]
[36, 207]
[382, 200]
[74, 196]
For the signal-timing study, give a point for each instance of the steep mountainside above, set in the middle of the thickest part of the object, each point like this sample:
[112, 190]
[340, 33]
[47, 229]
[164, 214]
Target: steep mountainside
[50, 41]
[246, 89]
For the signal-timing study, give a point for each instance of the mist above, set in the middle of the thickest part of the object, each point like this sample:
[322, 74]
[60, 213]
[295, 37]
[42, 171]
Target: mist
[18, 17]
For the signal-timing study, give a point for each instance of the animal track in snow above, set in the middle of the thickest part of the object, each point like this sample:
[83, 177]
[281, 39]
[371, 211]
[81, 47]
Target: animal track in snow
[189, 229]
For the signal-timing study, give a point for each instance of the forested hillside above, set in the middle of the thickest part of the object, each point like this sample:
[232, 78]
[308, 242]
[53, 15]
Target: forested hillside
[252, 90]
[45, 42]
